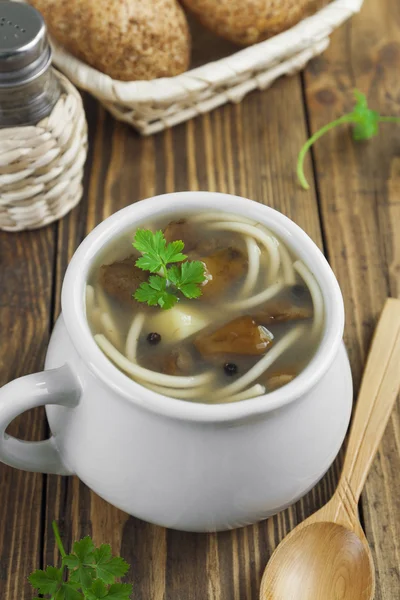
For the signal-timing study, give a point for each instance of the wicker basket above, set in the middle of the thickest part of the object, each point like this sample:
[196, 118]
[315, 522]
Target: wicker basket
[151, 106]
[41, 167]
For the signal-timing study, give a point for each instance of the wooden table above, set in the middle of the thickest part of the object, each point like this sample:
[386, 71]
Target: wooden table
[352, 211]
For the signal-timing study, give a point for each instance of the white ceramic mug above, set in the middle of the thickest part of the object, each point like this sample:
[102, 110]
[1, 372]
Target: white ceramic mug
[196, 467]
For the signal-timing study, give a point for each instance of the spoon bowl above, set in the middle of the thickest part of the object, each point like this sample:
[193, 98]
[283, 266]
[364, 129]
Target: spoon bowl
[327, 557]
[350, 572]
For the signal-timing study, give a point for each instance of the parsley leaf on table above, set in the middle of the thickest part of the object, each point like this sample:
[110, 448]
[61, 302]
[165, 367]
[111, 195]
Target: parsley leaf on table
[109, 567]
[80, 562]
[91, 574]
[120, 591]
[157, 255]
[97, 590]
[47, 581]
[365, 123]
[69, 591]
[116, 591]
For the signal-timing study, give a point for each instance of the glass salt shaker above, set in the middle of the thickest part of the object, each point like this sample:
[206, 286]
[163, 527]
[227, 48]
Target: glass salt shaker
[29, 88]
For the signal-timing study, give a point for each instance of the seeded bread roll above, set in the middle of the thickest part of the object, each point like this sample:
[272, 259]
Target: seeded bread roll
[126, 39]
[247, 22]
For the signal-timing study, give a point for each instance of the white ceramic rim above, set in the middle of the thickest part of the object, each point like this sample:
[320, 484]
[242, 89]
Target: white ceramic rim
[73, 305]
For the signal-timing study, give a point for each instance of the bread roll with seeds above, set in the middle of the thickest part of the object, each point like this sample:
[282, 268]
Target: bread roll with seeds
[247, 22]
[126, 39]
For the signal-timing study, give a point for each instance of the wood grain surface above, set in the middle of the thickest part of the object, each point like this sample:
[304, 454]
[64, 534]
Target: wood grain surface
[26, 284]
[250, 149]
[359, 187]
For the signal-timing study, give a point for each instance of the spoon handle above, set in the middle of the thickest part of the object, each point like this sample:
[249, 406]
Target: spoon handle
[378, 393]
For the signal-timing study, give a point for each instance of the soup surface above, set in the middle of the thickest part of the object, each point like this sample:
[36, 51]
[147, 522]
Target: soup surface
[253, 329]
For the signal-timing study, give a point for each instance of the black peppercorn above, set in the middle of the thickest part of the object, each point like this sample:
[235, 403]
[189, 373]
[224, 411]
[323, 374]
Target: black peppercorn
[154, 338]
[230, 369]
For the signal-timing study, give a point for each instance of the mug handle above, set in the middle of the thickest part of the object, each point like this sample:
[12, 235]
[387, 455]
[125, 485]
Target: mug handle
[55, 386]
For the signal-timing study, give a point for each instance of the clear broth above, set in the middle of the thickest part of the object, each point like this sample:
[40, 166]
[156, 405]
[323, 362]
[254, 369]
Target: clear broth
[213, 313]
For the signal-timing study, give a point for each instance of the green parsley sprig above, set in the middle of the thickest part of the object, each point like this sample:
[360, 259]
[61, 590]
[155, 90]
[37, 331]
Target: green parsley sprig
[158, 257]
[365, 123]
[88, 573]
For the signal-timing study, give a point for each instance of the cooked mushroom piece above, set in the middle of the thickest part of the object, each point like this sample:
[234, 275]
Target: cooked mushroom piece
[240, 336]
[281, 311]
[121, 279]
[205, 247]
[223, 269]
[278, 379]
[182, 230]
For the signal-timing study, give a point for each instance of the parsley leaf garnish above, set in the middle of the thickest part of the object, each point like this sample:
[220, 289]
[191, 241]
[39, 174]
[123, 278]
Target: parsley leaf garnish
[365, 123]
[157, 255]
[186, 278]
[155, 292]
[91, 574]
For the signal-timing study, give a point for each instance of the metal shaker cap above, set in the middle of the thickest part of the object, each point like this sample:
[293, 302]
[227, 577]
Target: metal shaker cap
[25, 52]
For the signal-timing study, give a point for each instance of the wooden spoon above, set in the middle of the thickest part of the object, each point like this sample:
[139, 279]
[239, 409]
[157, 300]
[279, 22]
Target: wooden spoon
[327, 557]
